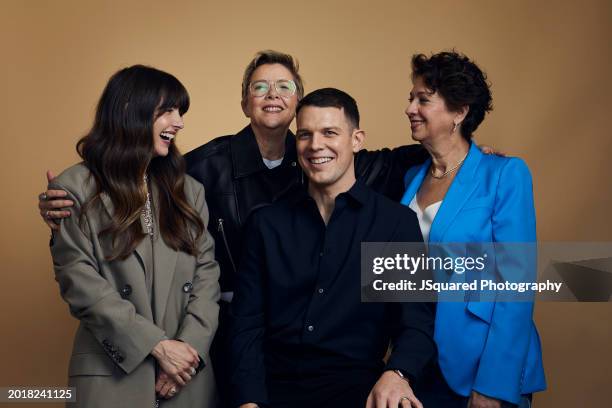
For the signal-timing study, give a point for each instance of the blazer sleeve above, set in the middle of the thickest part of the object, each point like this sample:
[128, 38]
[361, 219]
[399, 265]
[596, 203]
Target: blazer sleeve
[126, 336]
[501, 365]
[412, 344]
[248, 371]
[202, 313]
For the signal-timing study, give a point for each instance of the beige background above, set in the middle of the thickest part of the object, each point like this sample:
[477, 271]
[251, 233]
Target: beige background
[549, 62]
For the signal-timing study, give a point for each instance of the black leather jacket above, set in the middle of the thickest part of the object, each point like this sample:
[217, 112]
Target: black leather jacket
[237, 182]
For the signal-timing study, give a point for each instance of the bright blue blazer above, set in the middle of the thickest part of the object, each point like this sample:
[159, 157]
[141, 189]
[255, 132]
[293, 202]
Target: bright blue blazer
[490, 347]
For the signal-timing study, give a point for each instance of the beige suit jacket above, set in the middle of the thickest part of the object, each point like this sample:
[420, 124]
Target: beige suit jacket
[111, 365]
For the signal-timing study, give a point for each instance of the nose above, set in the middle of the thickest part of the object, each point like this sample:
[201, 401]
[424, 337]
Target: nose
[272, 94]
[316, 142]
[177, 120]
[411, 109]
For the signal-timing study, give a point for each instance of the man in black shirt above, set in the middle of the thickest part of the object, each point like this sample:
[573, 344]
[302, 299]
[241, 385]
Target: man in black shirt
[301, 337]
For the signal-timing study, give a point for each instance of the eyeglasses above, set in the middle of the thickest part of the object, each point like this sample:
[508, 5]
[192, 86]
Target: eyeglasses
[283, 87]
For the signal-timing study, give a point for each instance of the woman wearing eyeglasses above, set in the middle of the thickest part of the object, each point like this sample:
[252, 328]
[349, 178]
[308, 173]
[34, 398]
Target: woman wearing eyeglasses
[489, 352]
[253, 168]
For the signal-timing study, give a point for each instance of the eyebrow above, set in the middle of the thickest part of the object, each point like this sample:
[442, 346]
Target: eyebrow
[303, 130]
[423, 93]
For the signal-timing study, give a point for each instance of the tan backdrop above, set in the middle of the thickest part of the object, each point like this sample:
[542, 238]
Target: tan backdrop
[549, 62]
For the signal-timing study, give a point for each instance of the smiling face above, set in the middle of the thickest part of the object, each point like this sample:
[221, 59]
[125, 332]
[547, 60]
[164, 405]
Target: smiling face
[270, 111]
[165, 129]
[429, 117]
[326, 143]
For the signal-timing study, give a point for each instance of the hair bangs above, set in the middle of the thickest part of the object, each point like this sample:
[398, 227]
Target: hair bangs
[174, 95]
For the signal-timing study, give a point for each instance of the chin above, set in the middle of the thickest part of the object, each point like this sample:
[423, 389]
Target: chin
[417, 137]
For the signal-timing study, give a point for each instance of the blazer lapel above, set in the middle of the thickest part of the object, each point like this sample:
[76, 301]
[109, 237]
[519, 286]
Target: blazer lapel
[413, 180]
[457, 195]
[142, 250]
[164, 262]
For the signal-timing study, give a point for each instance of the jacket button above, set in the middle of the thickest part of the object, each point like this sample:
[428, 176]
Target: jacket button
[187, 287]
[119, 357]
[293, 164]
[310, 328]
[126, 291]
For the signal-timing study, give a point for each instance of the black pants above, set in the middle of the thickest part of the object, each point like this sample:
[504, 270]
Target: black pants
[433, 391]
[346, 389]
[219, 355]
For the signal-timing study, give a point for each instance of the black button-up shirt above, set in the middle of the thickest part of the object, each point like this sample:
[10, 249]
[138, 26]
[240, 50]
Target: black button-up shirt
[297, 309]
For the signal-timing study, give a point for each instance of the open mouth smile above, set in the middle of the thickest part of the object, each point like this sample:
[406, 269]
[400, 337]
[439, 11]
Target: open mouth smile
[320, 160]
[272, 109]
[167, 136]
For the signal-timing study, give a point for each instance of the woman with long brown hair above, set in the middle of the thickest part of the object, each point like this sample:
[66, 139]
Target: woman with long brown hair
[134, 261]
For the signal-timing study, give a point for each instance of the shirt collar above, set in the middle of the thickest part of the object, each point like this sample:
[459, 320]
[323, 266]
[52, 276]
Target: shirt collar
[246, 158]
[357, 194]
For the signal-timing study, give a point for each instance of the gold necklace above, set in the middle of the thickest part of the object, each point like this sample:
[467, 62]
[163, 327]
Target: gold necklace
[448, 171]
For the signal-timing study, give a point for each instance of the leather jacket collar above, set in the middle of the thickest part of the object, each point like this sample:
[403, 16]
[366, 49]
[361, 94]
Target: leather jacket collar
[244, 148]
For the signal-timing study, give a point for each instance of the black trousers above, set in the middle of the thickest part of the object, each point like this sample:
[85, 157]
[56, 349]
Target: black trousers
[346, 389]
[219, 355]
[433, 392]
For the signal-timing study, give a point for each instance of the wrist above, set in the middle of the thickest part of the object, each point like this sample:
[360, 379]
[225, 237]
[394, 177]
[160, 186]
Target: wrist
[401, 375]
[158, 351]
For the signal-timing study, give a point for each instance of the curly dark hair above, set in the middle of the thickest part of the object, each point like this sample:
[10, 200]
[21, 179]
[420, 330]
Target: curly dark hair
[460, 83]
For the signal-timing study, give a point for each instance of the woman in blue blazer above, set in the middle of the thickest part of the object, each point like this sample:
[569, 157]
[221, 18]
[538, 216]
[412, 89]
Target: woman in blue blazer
[489, 352]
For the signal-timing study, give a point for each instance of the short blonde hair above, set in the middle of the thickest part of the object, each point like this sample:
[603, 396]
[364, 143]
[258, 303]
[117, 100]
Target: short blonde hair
[272, 57]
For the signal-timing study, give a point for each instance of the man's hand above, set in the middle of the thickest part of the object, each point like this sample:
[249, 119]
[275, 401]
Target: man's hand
[178, 359]
[491, 150]
[166, 387]
[391, 391]
[480, 401]
[52, 206]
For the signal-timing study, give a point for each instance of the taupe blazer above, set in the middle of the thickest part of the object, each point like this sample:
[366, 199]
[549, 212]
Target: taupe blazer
[111, 365]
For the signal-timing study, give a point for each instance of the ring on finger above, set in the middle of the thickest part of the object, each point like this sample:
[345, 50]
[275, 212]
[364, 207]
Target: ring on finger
[48, 214]
[405, 399]
[43, 196]
[193, 371]
[172, 391]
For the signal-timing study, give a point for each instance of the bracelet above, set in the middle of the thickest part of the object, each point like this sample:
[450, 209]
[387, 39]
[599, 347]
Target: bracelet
[401, 375]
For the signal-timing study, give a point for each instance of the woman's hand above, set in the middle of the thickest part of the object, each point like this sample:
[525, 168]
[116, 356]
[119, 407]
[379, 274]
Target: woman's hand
[481, 401]
[166, 387]
[179, 360]
[52, 206]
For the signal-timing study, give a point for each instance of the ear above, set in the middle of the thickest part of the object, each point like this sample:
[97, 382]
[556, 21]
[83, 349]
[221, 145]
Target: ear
[244, 105]
[461, 114]
[358, 138]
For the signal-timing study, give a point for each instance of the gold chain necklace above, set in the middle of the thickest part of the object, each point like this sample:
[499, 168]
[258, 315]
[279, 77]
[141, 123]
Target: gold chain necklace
[448, 171]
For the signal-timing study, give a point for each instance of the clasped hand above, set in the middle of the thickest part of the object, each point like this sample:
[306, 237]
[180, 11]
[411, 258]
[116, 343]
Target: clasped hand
[178, 362]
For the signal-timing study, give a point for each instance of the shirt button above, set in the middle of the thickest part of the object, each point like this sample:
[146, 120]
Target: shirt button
[310, 328]
[293, 164]
[321, 290]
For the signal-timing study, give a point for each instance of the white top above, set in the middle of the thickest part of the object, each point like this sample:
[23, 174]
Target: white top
[425, 217]
[272, 163]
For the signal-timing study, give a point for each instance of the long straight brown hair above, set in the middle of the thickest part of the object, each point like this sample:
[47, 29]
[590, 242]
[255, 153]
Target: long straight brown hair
[118, 151]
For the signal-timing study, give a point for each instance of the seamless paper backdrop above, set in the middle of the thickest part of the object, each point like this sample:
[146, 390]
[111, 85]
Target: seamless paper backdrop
[548, 61]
